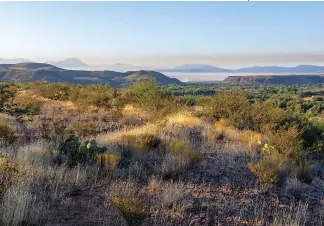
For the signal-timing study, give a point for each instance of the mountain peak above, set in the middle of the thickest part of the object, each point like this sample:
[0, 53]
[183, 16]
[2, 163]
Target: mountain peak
[69, 63]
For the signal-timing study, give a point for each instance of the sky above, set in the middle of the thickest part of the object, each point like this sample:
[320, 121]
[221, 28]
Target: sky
[165, 34]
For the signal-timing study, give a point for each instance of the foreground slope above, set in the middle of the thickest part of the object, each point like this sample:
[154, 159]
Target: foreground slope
[30, 72]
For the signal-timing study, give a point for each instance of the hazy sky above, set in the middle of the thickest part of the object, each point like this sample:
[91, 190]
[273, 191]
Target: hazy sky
[164, 33]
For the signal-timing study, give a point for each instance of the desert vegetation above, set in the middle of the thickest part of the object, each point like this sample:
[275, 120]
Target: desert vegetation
[171, 155]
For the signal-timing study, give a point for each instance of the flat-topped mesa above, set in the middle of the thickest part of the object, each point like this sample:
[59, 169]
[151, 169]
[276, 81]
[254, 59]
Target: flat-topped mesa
[273, 80]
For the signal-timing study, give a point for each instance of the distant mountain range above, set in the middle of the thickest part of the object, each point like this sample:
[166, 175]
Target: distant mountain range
[195, 68]
[69, 63]
[30, 72]
[205, 68]
[13, 61]
[74, 63]
[115, 67]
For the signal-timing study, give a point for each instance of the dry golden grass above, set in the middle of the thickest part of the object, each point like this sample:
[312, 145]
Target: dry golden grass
[184, 118]
[119, 136]
[23, 95]
[108, 160]
[196, 174]
[131, 110]
[252, 140]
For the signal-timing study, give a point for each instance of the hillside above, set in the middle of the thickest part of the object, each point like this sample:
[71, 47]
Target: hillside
[30, 72]
[142, 156]
[273, 79]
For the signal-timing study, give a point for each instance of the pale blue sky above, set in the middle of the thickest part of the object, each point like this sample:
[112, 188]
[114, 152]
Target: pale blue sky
[164, 33]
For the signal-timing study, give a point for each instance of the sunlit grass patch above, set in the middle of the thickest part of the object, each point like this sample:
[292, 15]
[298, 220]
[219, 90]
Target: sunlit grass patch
[119, 136]
[184, 118]
[130, 109]
[252, 140]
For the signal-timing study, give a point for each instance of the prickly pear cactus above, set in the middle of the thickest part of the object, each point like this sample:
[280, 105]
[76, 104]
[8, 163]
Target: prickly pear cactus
[68, 152]
[73, 152]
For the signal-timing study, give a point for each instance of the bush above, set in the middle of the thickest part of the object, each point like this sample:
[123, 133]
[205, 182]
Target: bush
[34, 107]
[152, 99]
[295, 187]
[8, 174]
[266, 171]
[268, 150]
[133, 210]
[7, 134]
[53, 131]
[97, 95]
[180, 149]
[53, 91]
[232, 106]
[188, 101]
[107, 161]
[252, 140]
[286, 140]
[7, 92]
[144, 142]
[173, 165]
[238, 109]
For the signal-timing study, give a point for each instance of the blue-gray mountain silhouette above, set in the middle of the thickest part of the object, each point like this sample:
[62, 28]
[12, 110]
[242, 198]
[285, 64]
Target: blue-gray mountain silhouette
[69, 63]
[201, 68]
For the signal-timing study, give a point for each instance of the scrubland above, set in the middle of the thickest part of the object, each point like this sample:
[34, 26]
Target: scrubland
[95, 155]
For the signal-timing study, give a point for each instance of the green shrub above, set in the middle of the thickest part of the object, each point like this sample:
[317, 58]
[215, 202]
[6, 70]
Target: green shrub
[7, 93]
[61, 95]
[97, 95]
[148, 96]
[266, 171]
[286, 140]
[188, 101]
[34, 107]
[233, 106]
